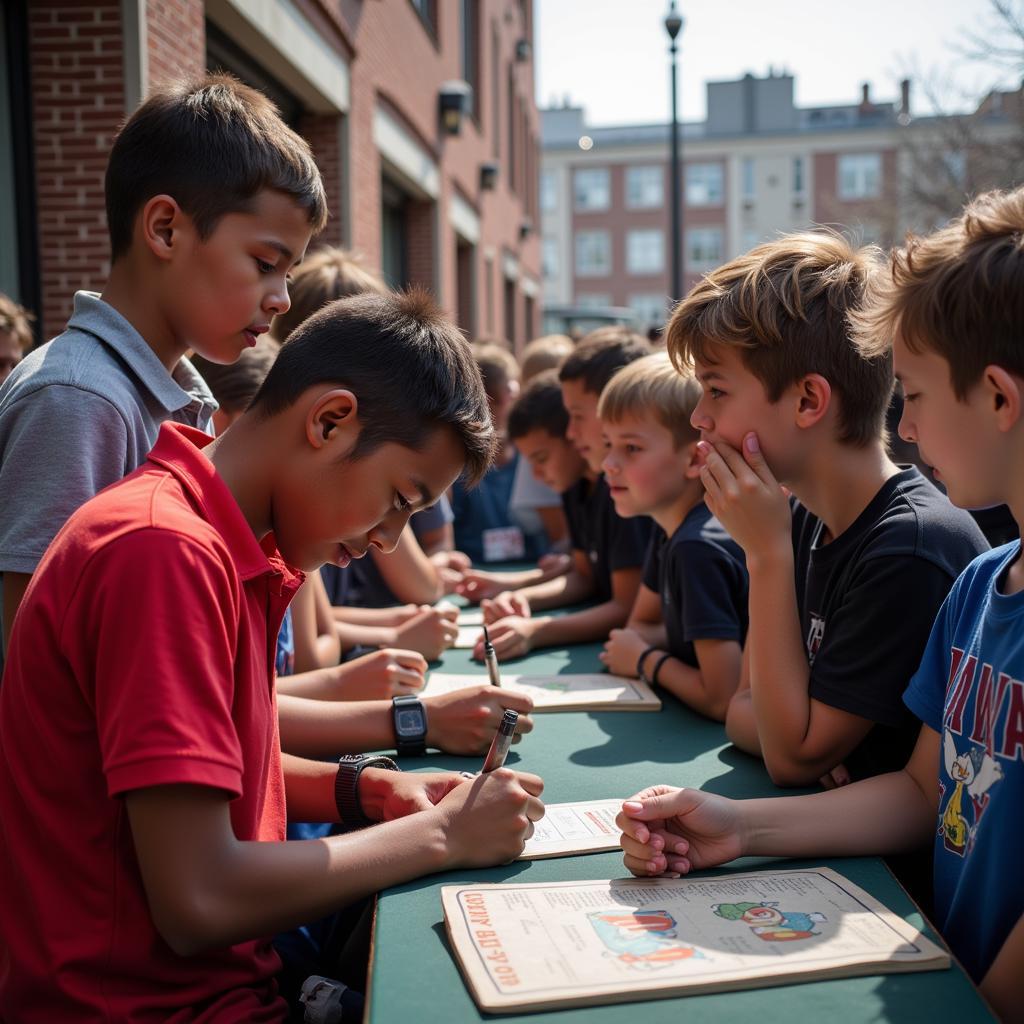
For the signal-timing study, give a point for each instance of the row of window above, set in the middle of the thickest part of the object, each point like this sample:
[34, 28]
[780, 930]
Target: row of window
[650, 308]
[858, 176]
[645, 251]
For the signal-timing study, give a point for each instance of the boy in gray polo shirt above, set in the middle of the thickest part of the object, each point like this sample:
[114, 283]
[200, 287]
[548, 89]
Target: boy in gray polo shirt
[211, 200]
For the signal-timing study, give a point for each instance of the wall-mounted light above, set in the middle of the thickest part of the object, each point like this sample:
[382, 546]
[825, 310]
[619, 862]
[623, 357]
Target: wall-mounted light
[523, 50]
[489, 171]
[525, 229]
[454, 103]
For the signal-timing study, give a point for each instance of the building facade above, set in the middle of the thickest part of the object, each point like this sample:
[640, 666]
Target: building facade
[758, 166]
[444, 199]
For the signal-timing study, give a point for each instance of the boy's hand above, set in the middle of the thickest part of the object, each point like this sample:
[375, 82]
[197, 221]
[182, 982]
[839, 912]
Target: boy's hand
[386, 795]
[512, 637]
[745, 497]
[478, 584]
[622, 650]
[665, 829]
[554, 564]
[512, 602]
[382, 675]
[457, 561]
[489, 820]
[464, 721]
[430, 631]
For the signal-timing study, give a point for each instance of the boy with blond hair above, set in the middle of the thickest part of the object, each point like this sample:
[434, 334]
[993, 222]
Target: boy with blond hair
[865, 545]
[687, 626]
[950, 308]
[211, 200]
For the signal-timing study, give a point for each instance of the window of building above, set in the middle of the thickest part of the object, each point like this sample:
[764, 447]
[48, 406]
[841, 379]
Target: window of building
[427, 10]
[593, 254]
[592, 188]
[704, 185]
[650, 309]
[510, 311]
[703, 248]
[859, 176]
[593, 300]
[394, 235]
[471, 51]
[645, 187]
[645, 251]
[799, 182]
[548, 191]
[749, 184]
[549, 257]
[750, 238]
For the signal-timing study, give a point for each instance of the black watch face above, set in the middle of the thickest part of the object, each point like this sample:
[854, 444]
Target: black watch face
[409, 722]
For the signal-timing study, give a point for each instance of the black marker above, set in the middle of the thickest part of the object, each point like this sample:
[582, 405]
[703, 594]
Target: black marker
[492, 660]
[502, 741]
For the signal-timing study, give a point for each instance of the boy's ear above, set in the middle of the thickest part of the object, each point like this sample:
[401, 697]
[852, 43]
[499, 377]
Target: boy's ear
[162, 221]
[813, 395]
[1003, 395]
[331, 420]
[692, 456]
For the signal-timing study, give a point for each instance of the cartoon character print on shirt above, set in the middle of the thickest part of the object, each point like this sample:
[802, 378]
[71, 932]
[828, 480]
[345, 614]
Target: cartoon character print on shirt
[769, 923]
[815, 635]
[971, 750]
[645, 940]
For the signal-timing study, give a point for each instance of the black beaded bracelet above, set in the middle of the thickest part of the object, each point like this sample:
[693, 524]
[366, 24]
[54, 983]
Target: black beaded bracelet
[346, 786]
[640, 663]
[657, 668]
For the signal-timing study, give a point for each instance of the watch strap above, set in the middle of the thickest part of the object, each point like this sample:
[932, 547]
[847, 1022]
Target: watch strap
[346, 786]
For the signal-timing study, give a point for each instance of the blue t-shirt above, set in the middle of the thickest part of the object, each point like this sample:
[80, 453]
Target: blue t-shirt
[970, 689]
[701, 577]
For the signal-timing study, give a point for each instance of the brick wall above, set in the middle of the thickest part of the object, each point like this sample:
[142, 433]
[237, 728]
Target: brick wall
[176, 39]
[323, 133]
[77, 105]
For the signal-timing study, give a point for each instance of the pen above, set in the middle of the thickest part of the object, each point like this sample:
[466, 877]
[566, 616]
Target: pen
[502, 741]
[492, 660]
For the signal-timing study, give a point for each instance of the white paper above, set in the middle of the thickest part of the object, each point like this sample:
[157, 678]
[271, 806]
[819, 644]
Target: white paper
[585, 943]
[467, 638]
[565, 692]
[471, 617]
[566, 829]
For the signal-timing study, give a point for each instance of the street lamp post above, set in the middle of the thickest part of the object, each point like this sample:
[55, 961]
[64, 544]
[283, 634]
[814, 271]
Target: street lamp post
[673, 26]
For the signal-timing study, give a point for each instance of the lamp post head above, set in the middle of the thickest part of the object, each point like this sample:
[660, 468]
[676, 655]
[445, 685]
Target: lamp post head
[673, 22]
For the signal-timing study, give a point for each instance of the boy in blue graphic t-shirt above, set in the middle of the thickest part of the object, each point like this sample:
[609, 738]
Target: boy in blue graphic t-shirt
[951, 309]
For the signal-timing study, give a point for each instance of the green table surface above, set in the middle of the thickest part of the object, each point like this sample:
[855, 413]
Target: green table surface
[598, 755]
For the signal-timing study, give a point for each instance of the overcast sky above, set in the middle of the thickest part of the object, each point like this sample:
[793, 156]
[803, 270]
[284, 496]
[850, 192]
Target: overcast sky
[611, 56]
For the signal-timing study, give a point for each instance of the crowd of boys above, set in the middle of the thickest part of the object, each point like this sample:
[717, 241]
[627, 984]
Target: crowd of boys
[724, 517]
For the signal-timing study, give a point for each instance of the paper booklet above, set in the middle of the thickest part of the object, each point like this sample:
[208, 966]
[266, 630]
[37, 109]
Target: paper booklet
[471, 617]
[588, 692]
[558, 944]
[467, 638]
[565, 829]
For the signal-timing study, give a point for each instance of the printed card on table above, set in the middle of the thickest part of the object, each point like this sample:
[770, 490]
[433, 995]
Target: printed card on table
[559, 944]
[570, 829]
[595, 691]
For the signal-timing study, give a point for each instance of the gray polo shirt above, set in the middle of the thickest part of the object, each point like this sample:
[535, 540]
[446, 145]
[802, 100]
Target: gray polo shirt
[80, 413]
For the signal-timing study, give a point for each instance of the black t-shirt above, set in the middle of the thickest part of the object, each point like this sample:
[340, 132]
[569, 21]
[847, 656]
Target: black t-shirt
[700, 576]
[595, 528]
[867, 602]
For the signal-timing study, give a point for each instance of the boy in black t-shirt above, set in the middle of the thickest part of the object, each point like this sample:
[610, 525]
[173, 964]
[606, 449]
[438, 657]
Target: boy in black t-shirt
[607, 551]
[687, 627]
[843, 588]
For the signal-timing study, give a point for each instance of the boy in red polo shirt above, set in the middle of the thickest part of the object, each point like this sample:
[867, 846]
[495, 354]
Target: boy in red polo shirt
[142, 788]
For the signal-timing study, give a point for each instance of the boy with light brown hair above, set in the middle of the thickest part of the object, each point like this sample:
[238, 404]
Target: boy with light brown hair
[688, 623]
[950, 307]
[865, 545]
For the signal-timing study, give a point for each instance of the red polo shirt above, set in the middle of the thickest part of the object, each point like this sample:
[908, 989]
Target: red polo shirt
[142, 656]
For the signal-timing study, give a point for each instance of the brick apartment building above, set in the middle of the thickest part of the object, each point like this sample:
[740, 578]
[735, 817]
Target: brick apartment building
[365, 81]
[756, 167]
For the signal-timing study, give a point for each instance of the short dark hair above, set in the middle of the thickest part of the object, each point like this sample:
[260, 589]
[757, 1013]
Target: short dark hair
[214, 145]
[601, 354]
[234, 385]
[407, 363]
[539, 407]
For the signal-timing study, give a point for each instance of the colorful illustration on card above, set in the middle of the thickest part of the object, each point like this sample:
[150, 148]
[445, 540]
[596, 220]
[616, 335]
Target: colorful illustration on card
[645, 940]
[976, 772]
[769, 923]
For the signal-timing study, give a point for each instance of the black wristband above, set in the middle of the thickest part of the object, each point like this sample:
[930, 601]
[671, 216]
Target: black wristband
[346, 786]
[640, 663]
[657, 668]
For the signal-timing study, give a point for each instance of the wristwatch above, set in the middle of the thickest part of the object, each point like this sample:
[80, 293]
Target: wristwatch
[410, 721]
[346, 786]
